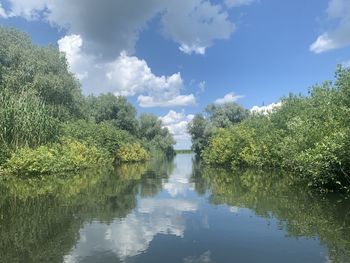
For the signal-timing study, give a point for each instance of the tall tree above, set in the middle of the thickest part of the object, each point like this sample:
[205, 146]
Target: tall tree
[116, 109]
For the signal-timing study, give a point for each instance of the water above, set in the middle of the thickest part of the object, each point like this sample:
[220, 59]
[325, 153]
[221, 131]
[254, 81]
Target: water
[171, 211]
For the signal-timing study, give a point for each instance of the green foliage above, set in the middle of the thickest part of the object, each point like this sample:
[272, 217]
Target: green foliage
[68, 155]
[200, 130]
[24, 66]
[103, 135]
[216, 116]
[223, 116]
[117, 110]
[24, 121]
[42, 101]
[132, 153]
[309, 135]
[156, 137]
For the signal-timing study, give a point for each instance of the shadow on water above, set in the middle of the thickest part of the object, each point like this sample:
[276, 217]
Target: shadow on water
[170, 210]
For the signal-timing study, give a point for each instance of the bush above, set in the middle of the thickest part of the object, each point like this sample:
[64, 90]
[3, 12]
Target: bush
[308, 135]
[103, 135]
[132, 153]
[68, 155]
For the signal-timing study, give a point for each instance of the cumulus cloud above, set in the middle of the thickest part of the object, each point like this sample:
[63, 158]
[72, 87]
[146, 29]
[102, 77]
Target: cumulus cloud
[230, 97]
[77, 61]
[266, 109]
[338, 37]
[116, 24]
[237, 3]
[101, 37]
[2, 12]
[195, 24]
[126, 76]
[177, 122]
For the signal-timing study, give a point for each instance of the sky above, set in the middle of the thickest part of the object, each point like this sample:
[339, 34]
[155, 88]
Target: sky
[174, 57]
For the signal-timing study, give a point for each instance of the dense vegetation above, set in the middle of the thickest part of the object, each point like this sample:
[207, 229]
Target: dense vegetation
[308, 135]
[47, 125]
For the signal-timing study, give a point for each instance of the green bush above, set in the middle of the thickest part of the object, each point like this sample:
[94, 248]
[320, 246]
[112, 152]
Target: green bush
[68, 155]
[309, 135]
[104, 135]
[132, 153]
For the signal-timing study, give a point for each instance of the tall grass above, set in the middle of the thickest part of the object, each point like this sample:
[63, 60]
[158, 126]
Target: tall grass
[24, 121]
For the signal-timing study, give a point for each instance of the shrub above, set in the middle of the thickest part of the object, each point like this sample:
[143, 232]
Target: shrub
[132, 153]
[103, 135]
[68, 155]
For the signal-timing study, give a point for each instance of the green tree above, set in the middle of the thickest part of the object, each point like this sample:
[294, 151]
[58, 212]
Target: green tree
[223, 116]
[200, 132]
[24, 66]
[116, 109]
[159, 138]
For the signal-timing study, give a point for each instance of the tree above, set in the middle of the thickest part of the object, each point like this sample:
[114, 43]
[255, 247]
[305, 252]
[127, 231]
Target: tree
[115, 109]
[223, 116]
[200, 131]
[44, 70]
[159, 137]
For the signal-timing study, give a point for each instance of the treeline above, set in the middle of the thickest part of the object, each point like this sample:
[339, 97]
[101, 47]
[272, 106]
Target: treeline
[307, 135]
[47, 125]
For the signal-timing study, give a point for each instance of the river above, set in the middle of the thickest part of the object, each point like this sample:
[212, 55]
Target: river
[171, 211]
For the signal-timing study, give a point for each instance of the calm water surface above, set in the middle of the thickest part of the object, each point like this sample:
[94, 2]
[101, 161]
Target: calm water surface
[171, 211]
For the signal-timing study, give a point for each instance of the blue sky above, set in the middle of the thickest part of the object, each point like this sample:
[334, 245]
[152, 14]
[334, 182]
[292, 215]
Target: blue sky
[173, 57]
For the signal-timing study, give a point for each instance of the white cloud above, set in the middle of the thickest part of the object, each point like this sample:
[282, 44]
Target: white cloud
[177, 123]
[237, 3]
[346, 64]
[193, 24]
[161, 101]
[71, 46]
[172, 117]
[338, 37]
[265, 109]
[127, 76]
[230, 97]
[2, 12]
[100, 50]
